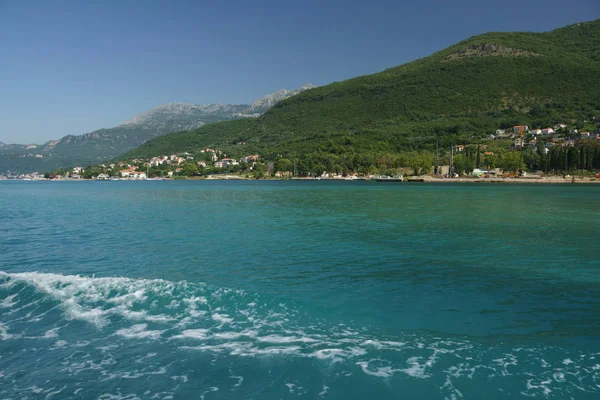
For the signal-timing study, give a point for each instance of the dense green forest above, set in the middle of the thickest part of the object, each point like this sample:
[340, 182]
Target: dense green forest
[460, 94]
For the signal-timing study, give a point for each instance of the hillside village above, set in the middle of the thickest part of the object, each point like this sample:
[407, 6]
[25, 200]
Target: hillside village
[160, 167]
[508, 151]
[560, 136]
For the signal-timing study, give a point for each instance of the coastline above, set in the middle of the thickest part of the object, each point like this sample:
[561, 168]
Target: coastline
[409, 179]
[521, 180]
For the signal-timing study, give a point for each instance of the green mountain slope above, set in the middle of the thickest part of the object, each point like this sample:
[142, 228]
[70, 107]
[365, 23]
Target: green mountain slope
[466, 90]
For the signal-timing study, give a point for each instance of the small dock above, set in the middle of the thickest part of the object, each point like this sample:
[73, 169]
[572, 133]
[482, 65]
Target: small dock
[390, 180]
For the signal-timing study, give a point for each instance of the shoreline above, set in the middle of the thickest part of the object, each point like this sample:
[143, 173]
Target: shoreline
[410, 179]
[523, 180]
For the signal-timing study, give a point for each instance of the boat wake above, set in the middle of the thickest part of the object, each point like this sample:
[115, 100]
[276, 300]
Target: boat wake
[102, 329]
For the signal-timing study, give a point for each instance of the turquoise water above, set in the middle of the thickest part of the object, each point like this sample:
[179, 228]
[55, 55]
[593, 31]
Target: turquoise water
[285, 290]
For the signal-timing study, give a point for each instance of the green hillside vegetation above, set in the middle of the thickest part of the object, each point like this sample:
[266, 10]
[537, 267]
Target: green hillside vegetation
[460, 94]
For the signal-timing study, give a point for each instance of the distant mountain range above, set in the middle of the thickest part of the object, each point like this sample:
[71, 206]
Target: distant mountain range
[105, 144]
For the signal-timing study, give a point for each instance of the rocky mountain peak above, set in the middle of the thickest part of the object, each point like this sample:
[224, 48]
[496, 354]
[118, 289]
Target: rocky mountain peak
[262, 104]
[195, 115]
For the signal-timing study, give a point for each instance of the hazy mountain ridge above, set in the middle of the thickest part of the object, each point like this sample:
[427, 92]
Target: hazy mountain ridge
[263, 104]
[7, 146]
[187, 116]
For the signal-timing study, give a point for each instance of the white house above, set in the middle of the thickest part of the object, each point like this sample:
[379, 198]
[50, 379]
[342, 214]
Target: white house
[225, 163]
[78, 170]
[537, 131]
[156, 161]
[547, 131]
[137, 175]
[250, 159]
[519, 142]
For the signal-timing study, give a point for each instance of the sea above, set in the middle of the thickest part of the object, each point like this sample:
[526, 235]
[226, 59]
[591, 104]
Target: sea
[299, 290]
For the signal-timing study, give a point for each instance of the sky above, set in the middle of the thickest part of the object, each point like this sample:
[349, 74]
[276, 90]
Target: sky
[71, 67]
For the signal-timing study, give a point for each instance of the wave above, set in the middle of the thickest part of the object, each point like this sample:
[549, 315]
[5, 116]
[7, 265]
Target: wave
[223, 322]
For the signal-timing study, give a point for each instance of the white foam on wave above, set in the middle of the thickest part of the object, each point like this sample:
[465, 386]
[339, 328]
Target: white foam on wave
[228, 322]
[240, 380]
[507, 361]
[235, 335]
[333, 354]
[92, 299]
[448, 387]
[4, 335]
[269, 351]
[416, 369]
[51, 333]
[324, 391]
[246, 349]
[118, 396]
[182, 378]
[211, 389]
[144, 316]
[139, 331]
[94, 316]
[286, 339]
[290, 387]
[221, 318]
[543, 385]
[201, 334]
[381, 372]
[144, 359]
[559, 377]
[384, 344]
[135, 375]
[8, 301]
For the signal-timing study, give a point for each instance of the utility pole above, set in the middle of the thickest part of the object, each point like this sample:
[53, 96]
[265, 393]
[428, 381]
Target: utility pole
[451, 170]
[437, 153]
[294, 167]
[521, 154]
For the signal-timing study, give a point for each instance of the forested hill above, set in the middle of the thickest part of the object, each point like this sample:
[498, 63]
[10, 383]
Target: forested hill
[465, 91]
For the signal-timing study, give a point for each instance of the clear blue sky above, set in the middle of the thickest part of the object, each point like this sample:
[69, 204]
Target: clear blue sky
[71, 67]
